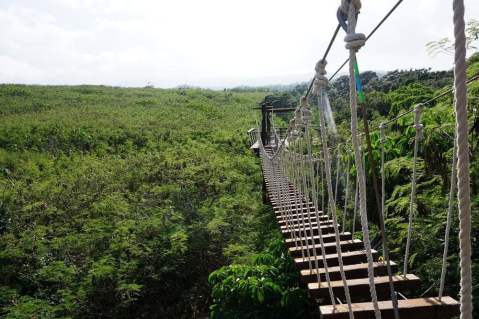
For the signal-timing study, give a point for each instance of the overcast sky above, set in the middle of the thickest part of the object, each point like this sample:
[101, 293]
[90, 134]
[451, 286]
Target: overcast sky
[209, 43]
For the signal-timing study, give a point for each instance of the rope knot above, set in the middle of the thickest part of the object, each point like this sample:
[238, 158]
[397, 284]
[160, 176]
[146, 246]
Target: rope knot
[293, 135]
[343, 12]
[306, 115]
[303, 102]
[320, 79]
[347, 17]
[344, 7]
[382, 128]
[355, 41]
[417, 121]
[298, 118]
[320, 67]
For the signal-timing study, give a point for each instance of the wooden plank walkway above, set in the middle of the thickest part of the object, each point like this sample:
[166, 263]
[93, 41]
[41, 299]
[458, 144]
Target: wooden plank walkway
[297, 221]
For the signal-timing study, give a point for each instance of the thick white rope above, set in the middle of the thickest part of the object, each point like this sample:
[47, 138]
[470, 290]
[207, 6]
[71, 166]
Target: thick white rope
[412, 198]
[338, 176]
[290, 212]
[268, 163]
[356, 199]
[463, 178]
[285, 199]
[320, 85]
[307, 113]
[321, 169]
[299, 209]
[299, 206]
[320, 232]
[299, 226]
[354, 41]
[346, 195]
[385, 244]
[452, 190]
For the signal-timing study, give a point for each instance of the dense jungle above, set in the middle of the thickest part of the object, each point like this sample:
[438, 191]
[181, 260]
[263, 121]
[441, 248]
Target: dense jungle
[147, 203]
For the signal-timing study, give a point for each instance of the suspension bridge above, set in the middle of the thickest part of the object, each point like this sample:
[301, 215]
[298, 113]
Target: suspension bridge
[350, 277]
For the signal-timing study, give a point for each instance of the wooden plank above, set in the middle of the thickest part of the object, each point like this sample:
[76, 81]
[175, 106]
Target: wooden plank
[276, 195]
[359, 288]
[273, 181]
[349, 257]
[351, 271]
[295, 210]
[284, 217]
[292, 209]
[293, 205]
[330, 248]
[417, 308]
[287, 203]
[295, 220]
[307, 224]
[308, 231]
[326, 238]
[283, 187]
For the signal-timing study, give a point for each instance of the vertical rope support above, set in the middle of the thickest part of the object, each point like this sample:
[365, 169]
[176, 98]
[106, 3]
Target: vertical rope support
[450, 208]
[306, 115]
[412, 198]
[320, 232]
[463, 178]
[346, 196]
[323, 250]
[297, 209]
[314, 199]
[321, 169]
[338, 175]
[300, 207]
[306, 195]
[354, 41]
[356, 199]
[383, 226]
[332, 208]
[290, 212]
[285, 198]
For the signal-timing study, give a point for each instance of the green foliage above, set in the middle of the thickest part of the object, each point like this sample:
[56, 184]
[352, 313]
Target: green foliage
[399, 92]
[406, 97]
[265, 288]
[118, 203]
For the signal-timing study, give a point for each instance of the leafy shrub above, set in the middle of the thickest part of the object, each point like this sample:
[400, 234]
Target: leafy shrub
[267, 288]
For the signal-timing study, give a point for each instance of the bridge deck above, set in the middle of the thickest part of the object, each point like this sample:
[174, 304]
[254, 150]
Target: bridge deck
[299, 221]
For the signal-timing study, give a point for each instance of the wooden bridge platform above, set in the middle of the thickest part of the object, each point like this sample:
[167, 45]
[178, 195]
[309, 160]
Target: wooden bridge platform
[298, 222]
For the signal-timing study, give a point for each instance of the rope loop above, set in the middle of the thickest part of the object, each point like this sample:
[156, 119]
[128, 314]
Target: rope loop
[320, 67]
[355, 41]
[342, 13]
[305, 111]
[344, 7]
[348, 11]
[320, 79]
[303, 102]
[298, 118]
[417, 121]
[382, 130]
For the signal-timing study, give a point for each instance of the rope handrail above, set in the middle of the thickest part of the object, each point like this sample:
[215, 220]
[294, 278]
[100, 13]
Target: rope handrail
[295, 184]
[354, 41]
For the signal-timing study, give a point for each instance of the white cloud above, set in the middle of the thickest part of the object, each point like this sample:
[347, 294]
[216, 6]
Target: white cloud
[207, 43]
